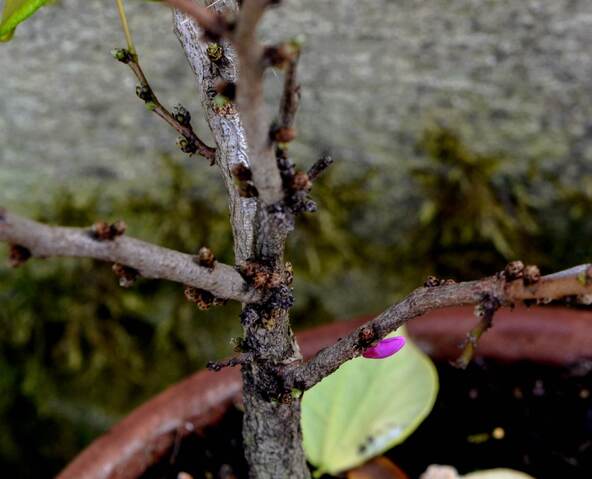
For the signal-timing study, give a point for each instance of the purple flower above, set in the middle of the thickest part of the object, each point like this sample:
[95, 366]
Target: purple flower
[385, 348]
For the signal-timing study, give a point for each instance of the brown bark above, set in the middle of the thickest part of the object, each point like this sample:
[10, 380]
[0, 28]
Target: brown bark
[576, 281]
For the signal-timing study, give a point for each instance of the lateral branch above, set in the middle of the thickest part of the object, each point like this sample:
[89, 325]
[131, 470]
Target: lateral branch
[180, 119]
[499, 290]
[291, 92]
[149, 260]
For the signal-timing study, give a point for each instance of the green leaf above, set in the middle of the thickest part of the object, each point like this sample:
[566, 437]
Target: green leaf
[15, 12]
[498, 474]
[366, 407]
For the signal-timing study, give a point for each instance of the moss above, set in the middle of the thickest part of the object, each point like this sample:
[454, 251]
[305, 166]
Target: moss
[67, 329]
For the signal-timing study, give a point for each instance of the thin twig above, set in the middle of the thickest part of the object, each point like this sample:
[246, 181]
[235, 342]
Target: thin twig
[149, 260]
[291, 94]
[230, 362]
[192, 143]
[125, 27]
[484, 311]
[319, 167]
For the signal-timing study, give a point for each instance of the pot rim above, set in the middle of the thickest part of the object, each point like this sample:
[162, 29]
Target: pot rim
[552, 335]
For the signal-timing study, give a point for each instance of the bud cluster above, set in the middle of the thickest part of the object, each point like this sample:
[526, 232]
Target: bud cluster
[103, 231]
[203, 299]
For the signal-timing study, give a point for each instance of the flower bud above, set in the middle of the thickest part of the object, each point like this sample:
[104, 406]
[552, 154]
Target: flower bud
[385, 348]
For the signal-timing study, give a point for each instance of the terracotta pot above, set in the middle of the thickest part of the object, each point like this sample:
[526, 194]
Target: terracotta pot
[549, 335]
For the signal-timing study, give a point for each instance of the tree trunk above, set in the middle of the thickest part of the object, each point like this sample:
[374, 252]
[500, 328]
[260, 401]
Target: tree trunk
[271, 433]
[271, 427]
[271, 423]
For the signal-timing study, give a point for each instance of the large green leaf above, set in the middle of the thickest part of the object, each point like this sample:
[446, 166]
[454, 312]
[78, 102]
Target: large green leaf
[15, 12]
[366, 407]
[498, 474]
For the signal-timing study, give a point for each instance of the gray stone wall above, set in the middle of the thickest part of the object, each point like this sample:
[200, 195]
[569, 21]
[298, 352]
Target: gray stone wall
[512, 76]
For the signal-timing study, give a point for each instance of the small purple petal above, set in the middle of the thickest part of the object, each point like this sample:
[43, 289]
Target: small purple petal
[385, 348]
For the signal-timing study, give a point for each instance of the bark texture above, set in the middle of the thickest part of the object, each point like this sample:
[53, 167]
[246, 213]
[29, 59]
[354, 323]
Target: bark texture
[271, 428]
[151, 261]
[225, 125]
[505, 291]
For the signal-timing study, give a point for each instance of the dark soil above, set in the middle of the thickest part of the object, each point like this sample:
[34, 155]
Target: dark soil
[216, 452]
[543, 413]
[533, 418]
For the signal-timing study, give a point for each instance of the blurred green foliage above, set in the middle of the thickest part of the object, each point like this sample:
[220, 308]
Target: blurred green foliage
[472, 215]
[77, 351]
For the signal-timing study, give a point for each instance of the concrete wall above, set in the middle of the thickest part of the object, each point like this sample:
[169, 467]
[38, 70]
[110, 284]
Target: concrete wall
[512, 76]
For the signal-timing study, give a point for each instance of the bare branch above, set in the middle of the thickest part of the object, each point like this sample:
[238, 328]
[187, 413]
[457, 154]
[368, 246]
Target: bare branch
[250, 14]
[149, 260]
[211, 22]
[576, 281]
[291, 93]
[238, 360]
[484, 311]
[250, 100]
[181, 121]
[319, 167]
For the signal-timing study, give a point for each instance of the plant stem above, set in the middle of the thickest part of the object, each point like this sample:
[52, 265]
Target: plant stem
[189, 142]
[271, 424]
[195, 144]
[125, 27]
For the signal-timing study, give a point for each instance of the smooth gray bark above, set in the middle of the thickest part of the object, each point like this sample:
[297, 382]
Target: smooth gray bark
[151, 261]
